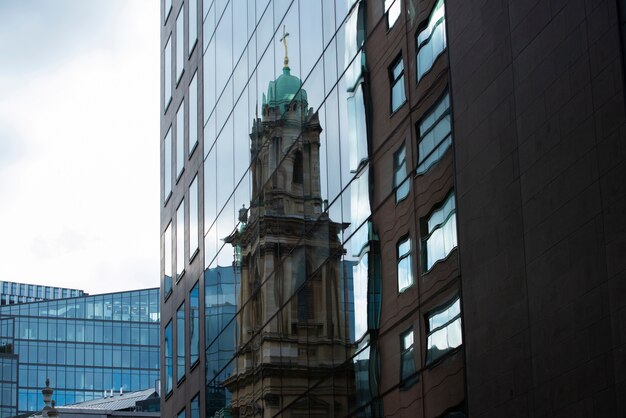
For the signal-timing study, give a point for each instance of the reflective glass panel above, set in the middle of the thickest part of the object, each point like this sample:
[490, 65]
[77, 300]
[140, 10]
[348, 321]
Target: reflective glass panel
[180, 239]
[180, 41]
[193, 114]
[444, 330]
[435, 133]
[393, 9]
[180, 342]
[193, 24]
[168, 358]
[194, 324]
[180, 139]
[397, 85]
[194, 232]
[442, 238]
[167, 170]
[167, 78]
[405, 276]
[168, 270]
[400, 181]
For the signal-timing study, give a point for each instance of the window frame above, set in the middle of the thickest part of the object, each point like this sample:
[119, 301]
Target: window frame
[401, 258]
[389, 5]
[397, 166]
[429, 361]
[420, 45]
[407, 381]
[168, 366]
[181, 318]
[422, 166]
[428, 233]
[394, 80]
[180, 241]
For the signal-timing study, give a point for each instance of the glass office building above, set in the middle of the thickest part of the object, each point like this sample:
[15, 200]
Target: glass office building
[264, 107]
[85, 345]
[12, 292]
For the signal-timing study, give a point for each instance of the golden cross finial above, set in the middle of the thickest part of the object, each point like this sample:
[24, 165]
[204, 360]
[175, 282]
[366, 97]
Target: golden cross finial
[284, 41]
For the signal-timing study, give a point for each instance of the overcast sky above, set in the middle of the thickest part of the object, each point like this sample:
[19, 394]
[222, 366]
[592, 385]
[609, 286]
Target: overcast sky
[79, 143]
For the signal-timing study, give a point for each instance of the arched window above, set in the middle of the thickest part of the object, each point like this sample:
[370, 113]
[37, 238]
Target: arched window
[297, 168]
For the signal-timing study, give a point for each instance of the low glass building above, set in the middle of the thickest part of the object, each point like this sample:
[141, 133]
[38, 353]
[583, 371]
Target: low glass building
[12, 292]
[86, 345]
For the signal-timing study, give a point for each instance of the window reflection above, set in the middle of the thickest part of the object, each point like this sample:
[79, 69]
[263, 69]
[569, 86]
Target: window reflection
[444, 330]
[180, 342]
[180, 240]
[405, 276]
[167, 73]
[431, 41]
[441, 230]
[397, 84]
[193, 218]
[180, 48]
[435, 133]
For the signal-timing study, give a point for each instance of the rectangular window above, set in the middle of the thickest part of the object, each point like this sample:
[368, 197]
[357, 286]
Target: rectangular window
[181, 414]
[431, 41]
[193, 218]
[167, 261]
[180, 139]
[194, 407]
[408, 372]
[180, 240]
[435, 133]
[180, 342]
[168, 358]
[167, 74]
[193, 114]
[400, 180]
[396, 74]
[405, 276]
[440, 227]
[444, 330]
[193, 24]
[392, 8]
[180, 43]
[194, 324]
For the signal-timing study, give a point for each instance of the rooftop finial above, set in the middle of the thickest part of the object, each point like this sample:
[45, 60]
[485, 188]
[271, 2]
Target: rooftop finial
[284, 41]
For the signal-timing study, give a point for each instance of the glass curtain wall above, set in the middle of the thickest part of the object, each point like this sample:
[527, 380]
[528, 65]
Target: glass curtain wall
[85, 345]
[291, 259]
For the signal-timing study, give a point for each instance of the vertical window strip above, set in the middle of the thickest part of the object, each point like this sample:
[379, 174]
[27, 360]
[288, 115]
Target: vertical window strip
[193, 114]
[194, 325]
[194, 233]
[167, 172]
[167, 74]
[180, 139]
[180, 43]
[167, 260]
[193, 25]
[168, 358]
[431, 41]
[180, 240]
[180, 342]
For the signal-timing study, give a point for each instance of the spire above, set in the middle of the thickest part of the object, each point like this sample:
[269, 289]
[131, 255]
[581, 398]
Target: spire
[284, 41]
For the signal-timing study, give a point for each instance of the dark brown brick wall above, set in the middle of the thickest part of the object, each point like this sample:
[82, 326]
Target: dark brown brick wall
[540, 159]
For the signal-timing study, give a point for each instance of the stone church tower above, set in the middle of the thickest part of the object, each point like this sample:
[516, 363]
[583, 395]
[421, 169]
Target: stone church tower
[293, 329]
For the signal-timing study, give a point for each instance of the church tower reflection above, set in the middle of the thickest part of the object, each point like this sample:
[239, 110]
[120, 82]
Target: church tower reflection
[293, 326]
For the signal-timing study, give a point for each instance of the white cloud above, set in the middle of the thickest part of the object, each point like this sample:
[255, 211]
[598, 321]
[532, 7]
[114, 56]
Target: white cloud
[80, 204]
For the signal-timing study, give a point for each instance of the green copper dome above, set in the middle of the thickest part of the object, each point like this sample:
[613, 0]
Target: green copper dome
[284, 90]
